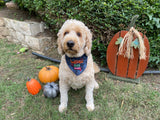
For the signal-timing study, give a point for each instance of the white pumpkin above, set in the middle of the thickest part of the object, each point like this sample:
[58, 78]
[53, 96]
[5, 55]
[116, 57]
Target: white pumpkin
[51, 90]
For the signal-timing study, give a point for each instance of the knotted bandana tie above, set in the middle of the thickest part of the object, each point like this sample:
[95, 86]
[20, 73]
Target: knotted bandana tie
[77, 64]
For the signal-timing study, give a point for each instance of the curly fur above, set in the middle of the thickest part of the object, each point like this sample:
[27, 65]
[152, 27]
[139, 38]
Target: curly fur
[79, 33]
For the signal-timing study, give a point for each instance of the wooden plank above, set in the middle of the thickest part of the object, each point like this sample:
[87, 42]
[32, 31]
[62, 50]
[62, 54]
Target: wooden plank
[143, 63]
[122, 62]
[132, 68]
[112, 53]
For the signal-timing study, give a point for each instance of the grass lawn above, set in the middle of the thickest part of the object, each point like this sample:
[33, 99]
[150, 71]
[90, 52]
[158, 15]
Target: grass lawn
[113, 100]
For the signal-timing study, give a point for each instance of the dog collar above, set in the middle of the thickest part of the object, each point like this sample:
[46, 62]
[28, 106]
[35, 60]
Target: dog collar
[77, 64]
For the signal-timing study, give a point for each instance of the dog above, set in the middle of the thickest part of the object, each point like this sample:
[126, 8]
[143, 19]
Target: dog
[77, 68]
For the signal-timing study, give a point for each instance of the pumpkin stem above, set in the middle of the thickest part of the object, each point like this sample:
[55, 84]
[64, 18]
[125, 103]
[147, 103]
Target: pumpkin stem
[132, 23]
[28, 78]
[48, 68]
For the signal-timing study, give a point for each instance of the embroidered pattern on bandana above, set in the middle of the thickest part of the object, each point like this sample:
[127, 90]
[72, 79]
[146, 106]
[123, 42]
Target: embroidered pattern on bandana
[77, 64]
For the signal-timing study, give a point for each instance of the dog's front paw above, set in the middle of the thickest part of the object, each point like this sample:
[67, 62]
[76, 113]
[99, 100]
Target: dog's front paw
[90, 107]
[62, 108]
[96, 86]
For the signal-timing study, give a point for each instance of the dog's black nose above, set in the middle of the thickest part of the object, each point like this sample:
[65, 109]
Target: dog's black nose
[70, 43]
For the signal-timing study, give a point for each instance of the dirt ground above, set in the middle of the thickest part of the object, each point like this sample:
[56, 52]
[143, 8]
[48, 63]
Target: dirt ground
[152, 80]
[18, 14]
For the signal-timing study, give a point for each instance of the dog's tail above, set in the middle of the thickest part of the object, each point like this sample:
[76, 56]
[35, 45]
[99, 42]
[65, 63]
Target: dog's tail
[96, 67]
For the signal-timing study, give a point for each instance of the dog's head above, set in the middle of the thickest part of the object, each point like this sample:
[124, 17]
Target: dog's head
[74, 39]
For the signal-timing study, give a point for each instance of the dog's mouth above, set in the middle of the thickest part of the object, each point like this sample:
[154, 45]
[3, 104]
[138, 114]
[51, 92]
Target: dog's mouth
[71, 51]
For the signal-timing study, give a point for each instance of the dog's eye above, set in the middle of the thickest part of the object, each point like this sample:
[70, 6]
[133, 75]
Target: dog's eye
[66, 33]
[78, 34]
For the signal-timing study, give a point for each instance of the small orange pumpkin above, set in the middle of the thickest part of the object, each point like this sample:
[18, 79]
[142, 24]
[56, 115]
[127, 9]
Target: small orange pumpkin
[33, 86]
[48, 74]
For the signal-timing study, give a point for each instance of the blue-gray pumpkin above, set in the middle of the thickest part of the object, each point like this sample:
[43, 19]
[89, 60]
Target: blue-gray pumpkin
[51, 90]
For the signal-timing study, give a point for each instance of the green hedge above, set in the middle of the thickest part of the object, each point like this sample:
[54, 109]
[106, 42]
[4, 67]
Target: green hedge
[104, 18]
[2, 2]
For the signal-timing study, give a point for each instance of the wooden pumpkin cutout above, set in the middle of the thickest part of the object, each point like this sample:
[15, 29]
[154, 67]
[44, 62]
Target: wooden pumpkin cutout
[127, 67]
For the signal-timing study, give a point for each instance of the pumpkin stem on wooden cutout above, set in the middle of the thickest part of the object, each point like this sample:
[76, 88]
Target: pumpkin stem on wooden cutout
[132, 23]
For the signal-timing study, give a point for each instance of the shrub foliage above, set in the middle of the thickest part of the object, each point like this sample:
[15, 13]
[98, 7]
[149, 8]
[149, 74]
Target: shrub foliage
[104, 18]
[1, 2]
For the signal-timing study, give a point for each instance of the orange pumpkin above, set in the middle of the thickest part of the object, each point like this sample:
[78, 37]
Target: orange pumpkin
[48, 74]
[33, 86]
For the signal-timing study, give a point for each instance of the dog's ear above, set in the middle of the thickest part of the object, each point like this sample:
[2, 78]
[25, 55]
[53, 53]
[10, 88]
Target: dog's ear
[60, 50]
[88, 45]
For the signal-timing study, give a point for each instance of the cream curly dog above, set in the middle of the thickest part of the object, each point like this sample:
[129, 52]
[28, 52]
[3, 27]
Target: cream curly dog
[77, 67]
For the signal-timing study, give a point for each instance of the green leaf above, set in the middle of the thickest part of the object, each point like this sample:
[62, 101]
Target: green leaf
[135, 43]
[39, 67]
[119, 40]
[156, 20]
[150, 16]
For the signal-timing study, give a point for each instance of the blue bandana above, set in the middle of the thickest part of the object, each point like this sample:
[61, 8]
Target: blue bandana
[77, 64]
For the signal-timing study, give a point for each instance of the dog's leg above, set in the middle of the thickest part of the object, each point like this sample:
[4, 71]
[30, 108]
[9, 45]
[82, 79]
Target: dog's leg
[89, 96]
[63, 96]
